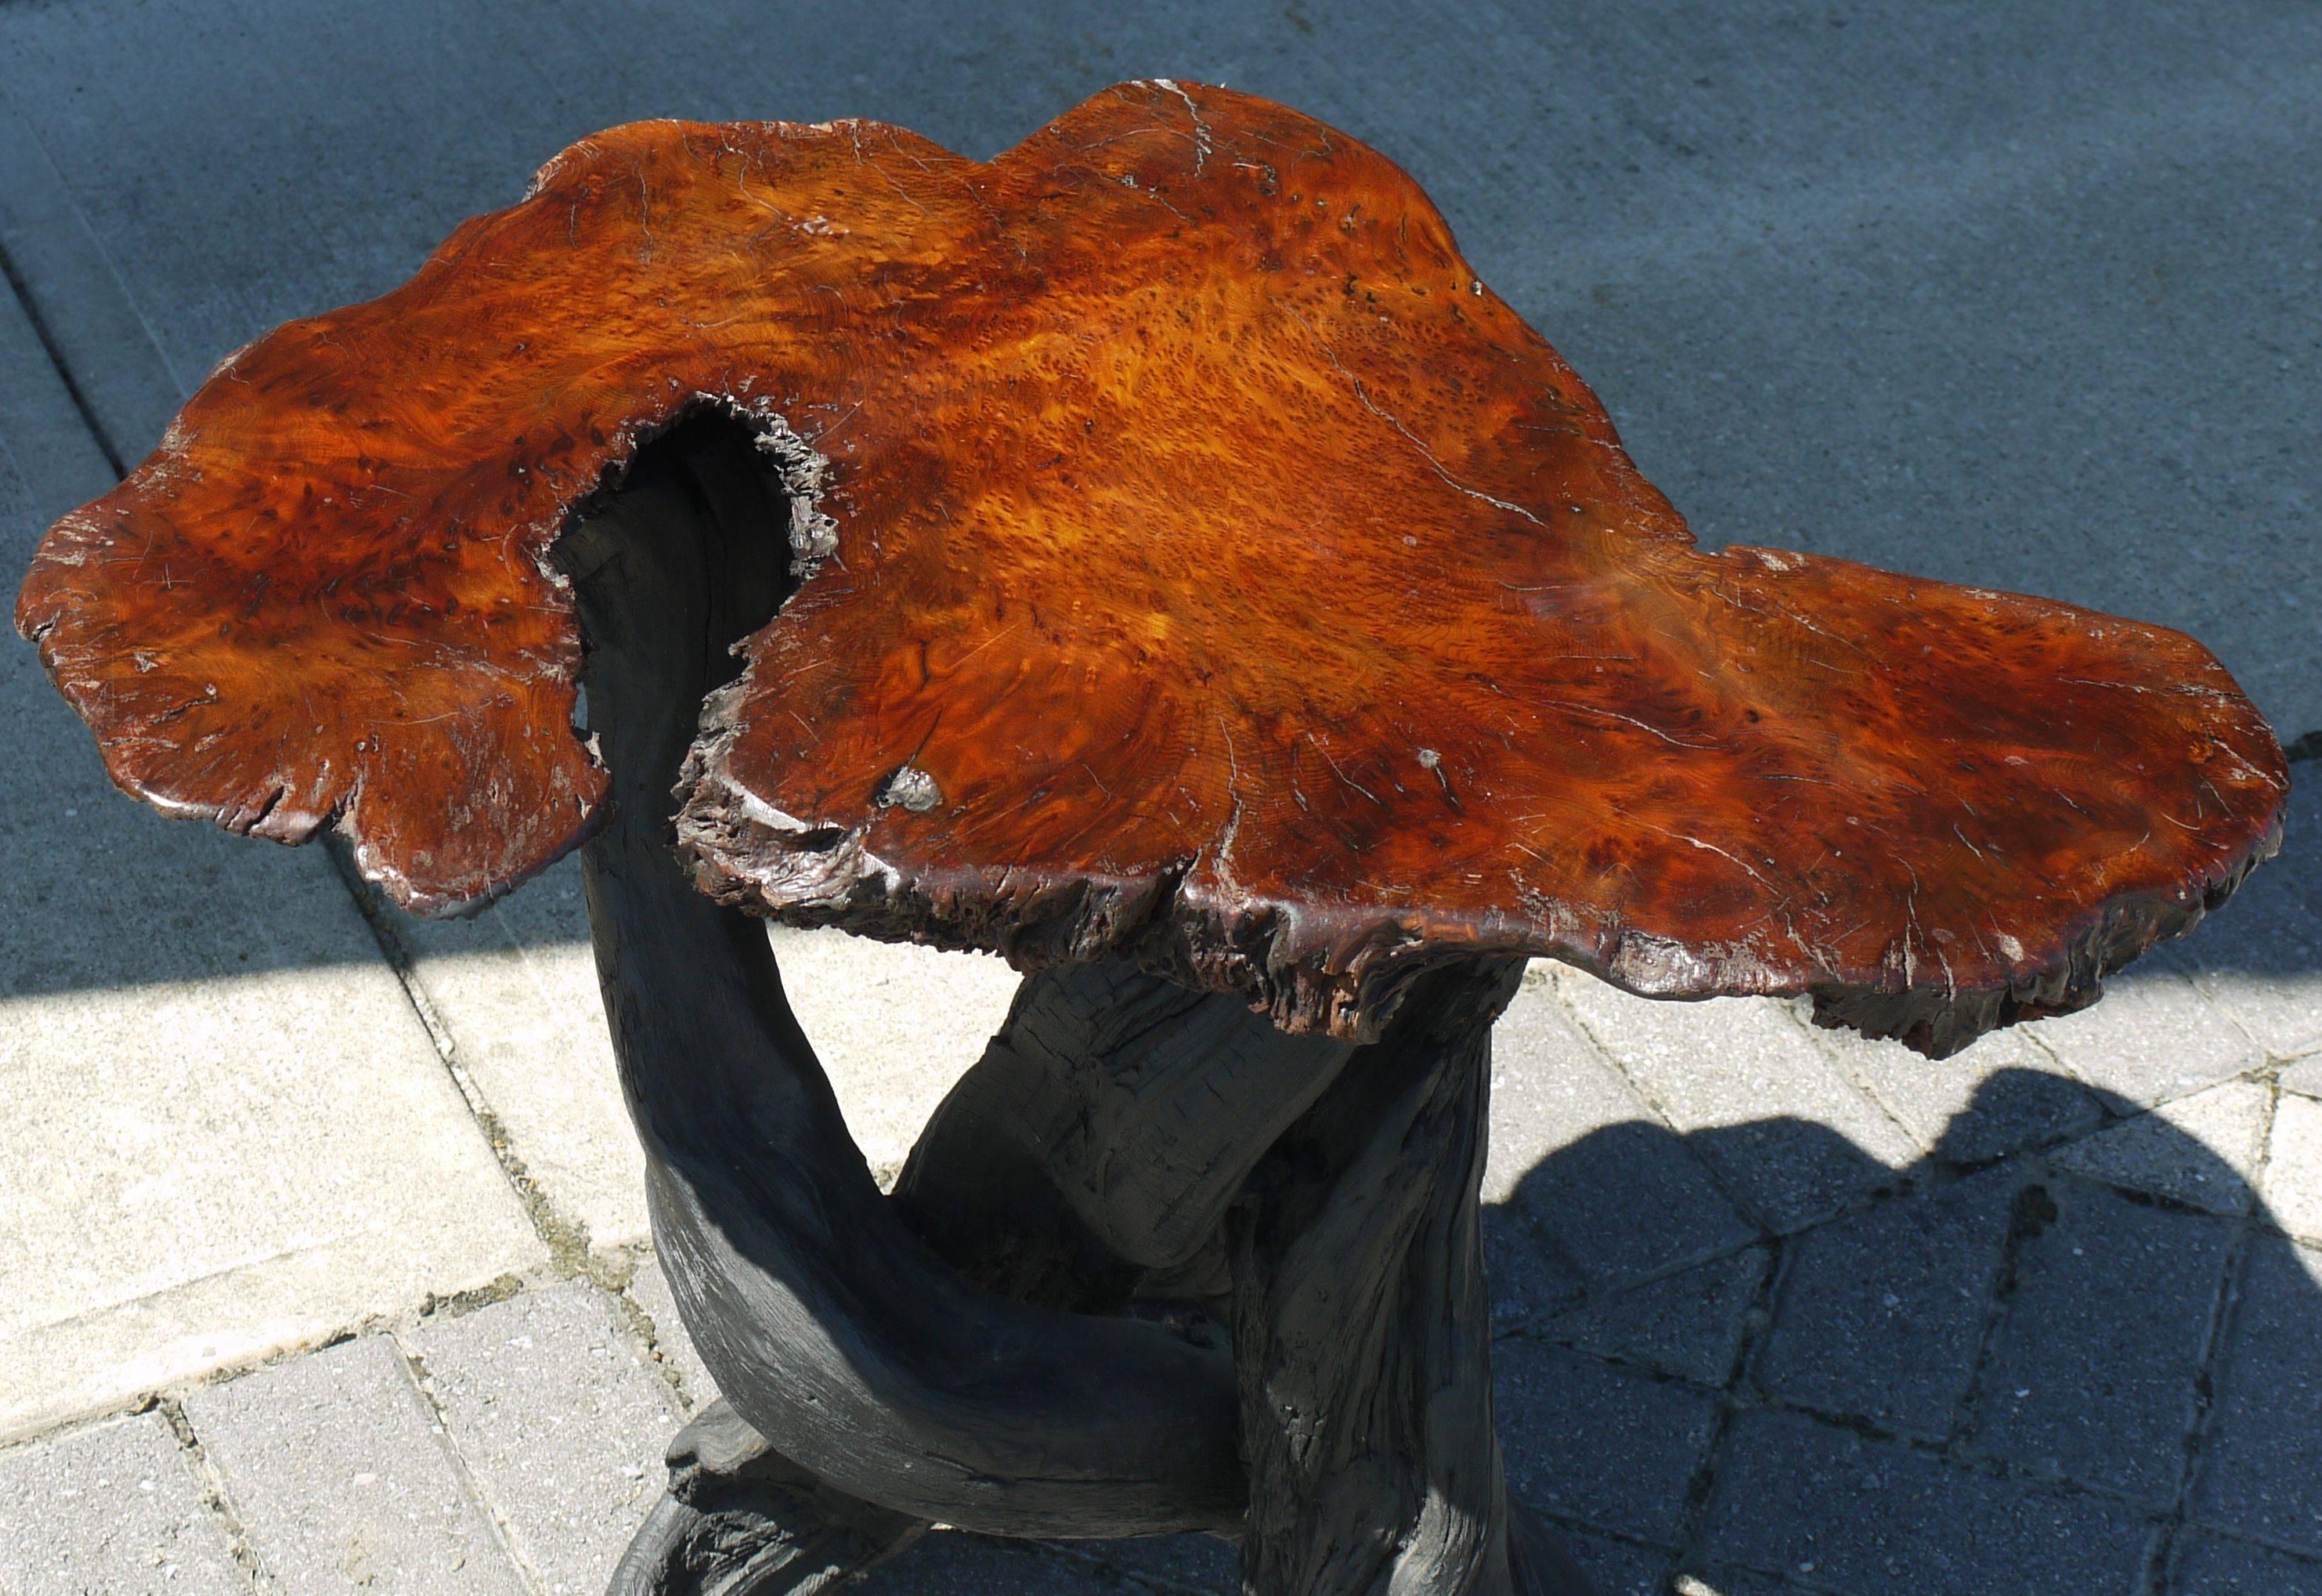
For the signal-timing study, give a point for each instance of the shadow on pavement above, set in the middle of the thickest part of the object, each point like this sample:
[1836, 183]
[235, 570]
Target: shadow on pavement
[1989, 1378]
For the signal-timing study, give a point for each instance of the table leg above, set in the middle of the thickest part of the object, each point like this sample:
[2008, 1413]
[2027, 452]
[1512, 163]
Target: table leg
[829, 1325]
[741, 1519]
[1089, 1154]
[1362, 1331]
[1117, 1131]
[1108, 1132]
[1088, 1158]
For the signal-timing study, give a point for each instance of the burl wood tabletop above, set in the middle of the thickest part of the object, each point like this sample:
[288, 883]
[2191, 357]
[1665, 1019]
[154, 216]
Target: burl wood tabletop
[1201, 565]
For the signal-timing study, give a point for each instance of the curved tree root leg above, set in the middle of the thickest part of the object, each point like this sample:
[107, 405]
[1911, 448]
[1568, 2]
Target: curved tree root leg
[741, 1519]
[892, 1377]
[1362, 1334]
[1101, 1136]
[1098, 1143]
[829, 1323]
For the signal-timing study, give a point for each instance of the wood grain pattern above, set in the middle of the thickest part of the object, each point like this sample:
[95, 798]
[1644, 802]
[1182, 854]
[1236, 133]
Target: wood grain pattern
[1207, 570]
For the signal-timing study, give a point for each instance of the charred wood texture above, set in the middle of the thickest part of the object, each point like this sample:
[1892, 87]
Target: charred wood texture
[829, 1326]
[1207, 572]
[1089, 1157]
[741, 1519]
[1362, 1331]
[1032, 1336]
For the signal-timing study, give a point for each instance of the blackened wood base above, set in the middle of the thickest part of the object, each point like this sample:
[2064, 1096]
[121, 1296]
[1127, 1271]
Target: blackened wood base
[1154, 1267]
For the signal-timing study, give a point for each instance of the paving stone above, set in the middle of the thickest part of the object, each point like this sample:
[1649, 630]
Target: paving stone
[1617, 1567]
[2218, 1565]
[1689, 1325]
[206, 1169]
[2154, 1035]
[226, 1132]
[515, 987]
[1603, 1445]
[894, 1026]
[1165, 1562]
[340, 1474]
[1853, 1514]
[1765, 1106]
[1732, 1582]
[2002, 1093]
[2304, 1077]
[2197, 1150]
[649, 1289]
[1578, 1149]
[2094, 1370]
[2293, 1167]
[2260, 957]
[1880, 1315]
[558, 1422]
[2260, 1470]
[50, 459]
[101, 340]
[110, 1510]
[1525, 1274]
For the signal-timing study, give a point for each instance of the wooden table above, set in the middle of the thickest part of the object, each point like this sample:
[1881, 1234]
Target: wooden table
[1153, 555]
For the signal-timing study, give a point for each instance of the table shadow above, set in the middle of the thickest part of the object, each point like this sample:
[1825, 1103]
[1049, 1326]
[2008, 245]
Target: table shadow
[1991, 1372]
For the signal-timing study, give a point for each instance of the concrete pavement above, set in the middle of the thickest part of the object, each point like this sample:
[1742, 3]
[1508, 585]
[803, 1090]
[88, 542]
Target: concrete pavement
[2054, 1340]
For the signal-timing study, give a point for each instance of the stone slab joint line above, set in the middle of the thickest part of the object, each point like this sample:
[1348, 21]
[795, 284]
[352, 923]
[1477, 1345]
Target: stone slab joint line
[1662, 1117]
[1742, 1392]
[2232, 1276]
[415, 1368]
[1957, 1450]
[646, 1334]
[1967, 1414]
[42, 330]
[566, 1238]
[1852, 1076]
[37, 181]
[211, 1487]
[1739, 1394]
[1862, 1083]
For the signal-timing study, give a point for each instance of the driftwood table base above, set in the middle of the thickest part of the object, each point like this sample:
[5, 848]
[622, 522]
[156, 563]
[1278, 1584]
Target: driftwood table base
[1155, 1266]
[1344, 1265]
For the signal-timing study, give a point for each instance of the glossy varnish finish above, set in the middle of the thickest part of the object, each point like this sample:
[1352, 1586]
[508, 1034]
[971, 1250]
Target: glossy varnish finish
[1205, 568]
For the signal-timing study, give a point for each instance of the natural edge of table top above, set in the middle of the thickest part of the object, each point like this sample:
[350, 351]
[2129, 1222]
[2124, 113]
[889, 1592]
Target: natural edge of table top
[1199, 566]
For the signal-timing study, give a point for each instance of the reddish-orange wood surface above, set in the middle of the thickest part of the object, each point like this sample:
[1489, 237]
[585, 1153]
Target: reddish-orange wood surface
[1224, 576]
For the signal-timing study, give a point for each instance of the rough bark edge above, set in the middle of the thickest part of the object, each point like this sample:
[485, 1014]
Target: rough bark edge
[1344, 970]
[294, 810]
[2108, 937]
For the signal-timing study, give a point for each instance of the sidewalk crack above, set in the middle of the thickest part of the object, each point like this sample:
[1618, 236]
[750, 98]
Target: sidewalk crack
[211, 1486]
[567, 1239]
